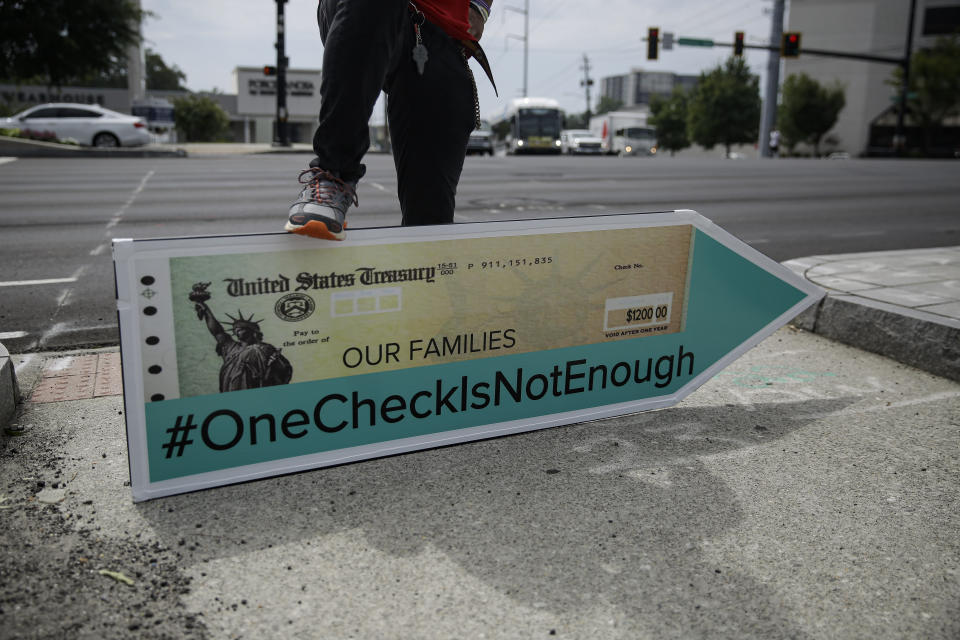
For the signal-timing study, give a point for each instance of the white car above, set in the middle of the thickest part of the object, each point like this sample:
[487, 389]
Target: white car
[88, 124]
[580, 141]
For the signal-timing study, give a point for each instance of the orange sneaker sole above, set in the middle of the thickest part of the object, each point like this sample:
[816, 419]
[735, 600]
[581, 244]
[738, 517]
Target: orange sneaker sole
[316, 229]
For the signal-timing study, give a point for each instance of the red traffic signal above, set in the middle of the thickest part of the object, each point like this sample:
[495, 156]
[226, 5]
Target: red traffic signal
[653, 43]
[790, 44]
[738, 43]
[269, 71]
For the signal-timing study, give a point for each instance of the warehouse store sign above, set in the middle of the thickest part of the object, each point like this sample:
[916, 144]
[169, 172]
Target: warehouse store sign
[251, 356]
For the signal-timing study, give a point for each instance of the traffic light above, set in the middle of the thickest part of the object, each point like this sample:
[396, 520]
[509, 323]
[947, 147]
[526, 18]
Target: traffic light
[269, 71]
[790, 44]
[653, 43]
[738, 43]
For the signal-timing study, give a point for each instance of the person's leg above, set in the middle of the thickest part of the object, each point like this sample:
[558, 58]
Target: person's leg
[360, 48]
[360, 40]
[431, 117]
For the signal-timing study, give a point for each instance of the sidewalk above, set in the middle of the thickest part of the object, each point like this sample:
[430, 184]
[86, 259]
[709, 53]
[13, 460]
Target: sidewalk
[901, 304]
[806, 491]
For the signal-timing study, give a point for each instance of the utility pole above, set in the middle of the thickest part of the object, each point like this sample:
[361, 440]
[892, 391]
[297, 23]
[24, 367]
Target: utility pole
[136, 69]
[768, 118]
[899, 137]
[586, 83]
[280, 139]
[526, 39]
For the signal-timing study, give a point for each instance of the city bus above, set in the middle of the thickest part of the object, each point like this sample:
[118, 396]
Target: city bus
[530, 125]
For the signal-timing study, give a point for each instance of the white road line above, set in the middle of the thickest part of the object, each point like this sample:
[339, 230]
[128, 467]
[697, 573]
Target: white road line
[55, 330]
[5, 160]
[9, 335]
[30, 283]
[63, 327]
[62, 298]
[377, 185]
[118, 216]
[99, 249]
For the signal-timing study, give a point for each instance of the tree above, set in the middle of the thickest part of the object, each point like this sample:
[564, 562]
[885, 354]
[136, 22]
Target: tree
[115, 78]
[501, 129]
[199, 118]
[808, 110]
[161, 77]
[53, 40]
[934, 91]
[607, 104]
[669, 116]
[724, 107]
[576, 120]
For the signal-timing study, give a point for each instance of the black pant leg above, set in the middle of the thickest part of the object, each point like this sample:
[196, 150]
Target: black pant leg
[431, 117]
[360, 47]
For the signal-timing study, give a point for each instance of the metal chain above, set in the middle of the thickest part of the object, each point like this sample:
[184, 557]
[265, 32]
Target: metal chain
[473, 81]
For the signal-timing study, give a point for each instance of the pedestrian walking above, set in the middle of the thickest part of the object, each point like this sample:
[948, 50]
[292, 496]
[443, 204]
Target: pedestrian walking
[417, 52]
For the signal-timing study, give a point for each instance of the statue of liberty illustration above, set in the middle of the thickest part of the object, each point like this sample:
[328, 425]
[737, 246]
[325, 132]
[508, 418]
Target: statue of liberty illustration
[248, 361]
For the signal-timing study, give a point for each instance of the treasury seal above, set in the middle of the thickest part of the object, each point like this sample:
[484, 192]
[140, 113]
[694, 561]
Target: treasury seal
[294, 307]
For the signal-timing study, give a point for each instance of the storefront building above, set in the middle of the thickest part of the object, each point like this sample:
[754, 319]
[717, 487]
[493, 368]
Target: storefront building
[252, 109]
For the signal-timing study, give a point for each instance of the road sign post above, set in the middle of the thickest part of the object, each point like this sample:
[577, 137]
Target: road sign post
[251, 356]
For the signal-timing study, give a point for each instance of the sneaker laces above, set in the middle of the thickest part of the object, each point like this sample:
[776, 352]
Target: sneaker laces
[327, 186]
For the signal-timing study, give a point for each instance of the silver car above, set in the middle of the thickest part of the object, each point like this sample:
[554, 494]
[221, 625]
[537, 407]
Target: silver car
[88, 124]
[481, 140]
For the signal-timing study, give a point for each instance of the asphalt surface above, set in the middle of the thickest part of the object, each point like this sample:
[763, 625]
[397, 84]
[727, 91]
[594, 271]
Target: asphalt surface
[57, 216]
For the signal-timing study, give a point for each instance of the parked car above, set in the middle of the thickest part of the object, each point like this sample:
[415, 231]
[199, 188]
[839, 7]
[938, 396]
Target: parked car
[481, 140]
[88, 124]
[579, 141]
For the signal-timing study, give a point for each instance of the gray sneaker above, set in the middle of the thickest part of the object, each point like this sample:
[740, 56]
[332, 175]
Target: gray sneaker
[321, 209]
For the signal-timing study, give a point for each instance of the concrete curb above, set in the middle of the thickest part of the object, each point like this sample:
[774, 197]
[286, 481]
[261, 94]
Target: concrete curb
[9, 391]
[20, 148]
[916, 338]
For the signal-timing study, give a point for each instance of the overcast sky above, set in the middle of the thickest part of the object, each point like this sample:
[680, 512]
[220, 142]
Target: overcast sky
[208, 39]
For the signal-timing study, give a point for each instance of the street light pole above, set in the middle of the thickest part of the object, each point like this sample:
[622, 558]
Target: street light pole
[526, 43]
[769, 116]
[281, 139]
[526, 39]
[899, 136]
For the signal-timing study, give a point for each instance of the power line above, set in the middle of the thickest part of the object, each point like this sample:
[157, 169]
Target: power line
[556, 7]
[704, 20]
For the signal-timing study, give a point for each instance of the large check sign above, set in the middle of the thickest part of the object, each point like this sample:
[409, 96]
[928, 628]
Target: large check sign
[250, 356]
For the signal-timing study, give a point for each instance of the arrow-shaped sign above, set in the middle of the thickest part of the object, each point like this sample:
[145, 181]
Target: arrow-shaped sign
[265, 354]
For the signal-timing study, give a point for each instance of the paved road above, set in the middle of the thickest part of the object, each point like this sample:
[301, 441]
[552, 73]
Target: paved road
[57, 217]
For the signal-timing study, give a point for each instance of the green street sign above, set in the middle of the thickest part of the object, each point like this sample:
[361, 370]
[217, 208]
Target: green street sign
[695, 42]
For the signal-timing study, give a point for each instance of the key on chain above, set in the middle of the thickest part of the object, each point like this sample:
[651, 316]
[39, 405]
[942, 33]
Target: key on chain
[419, 51]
